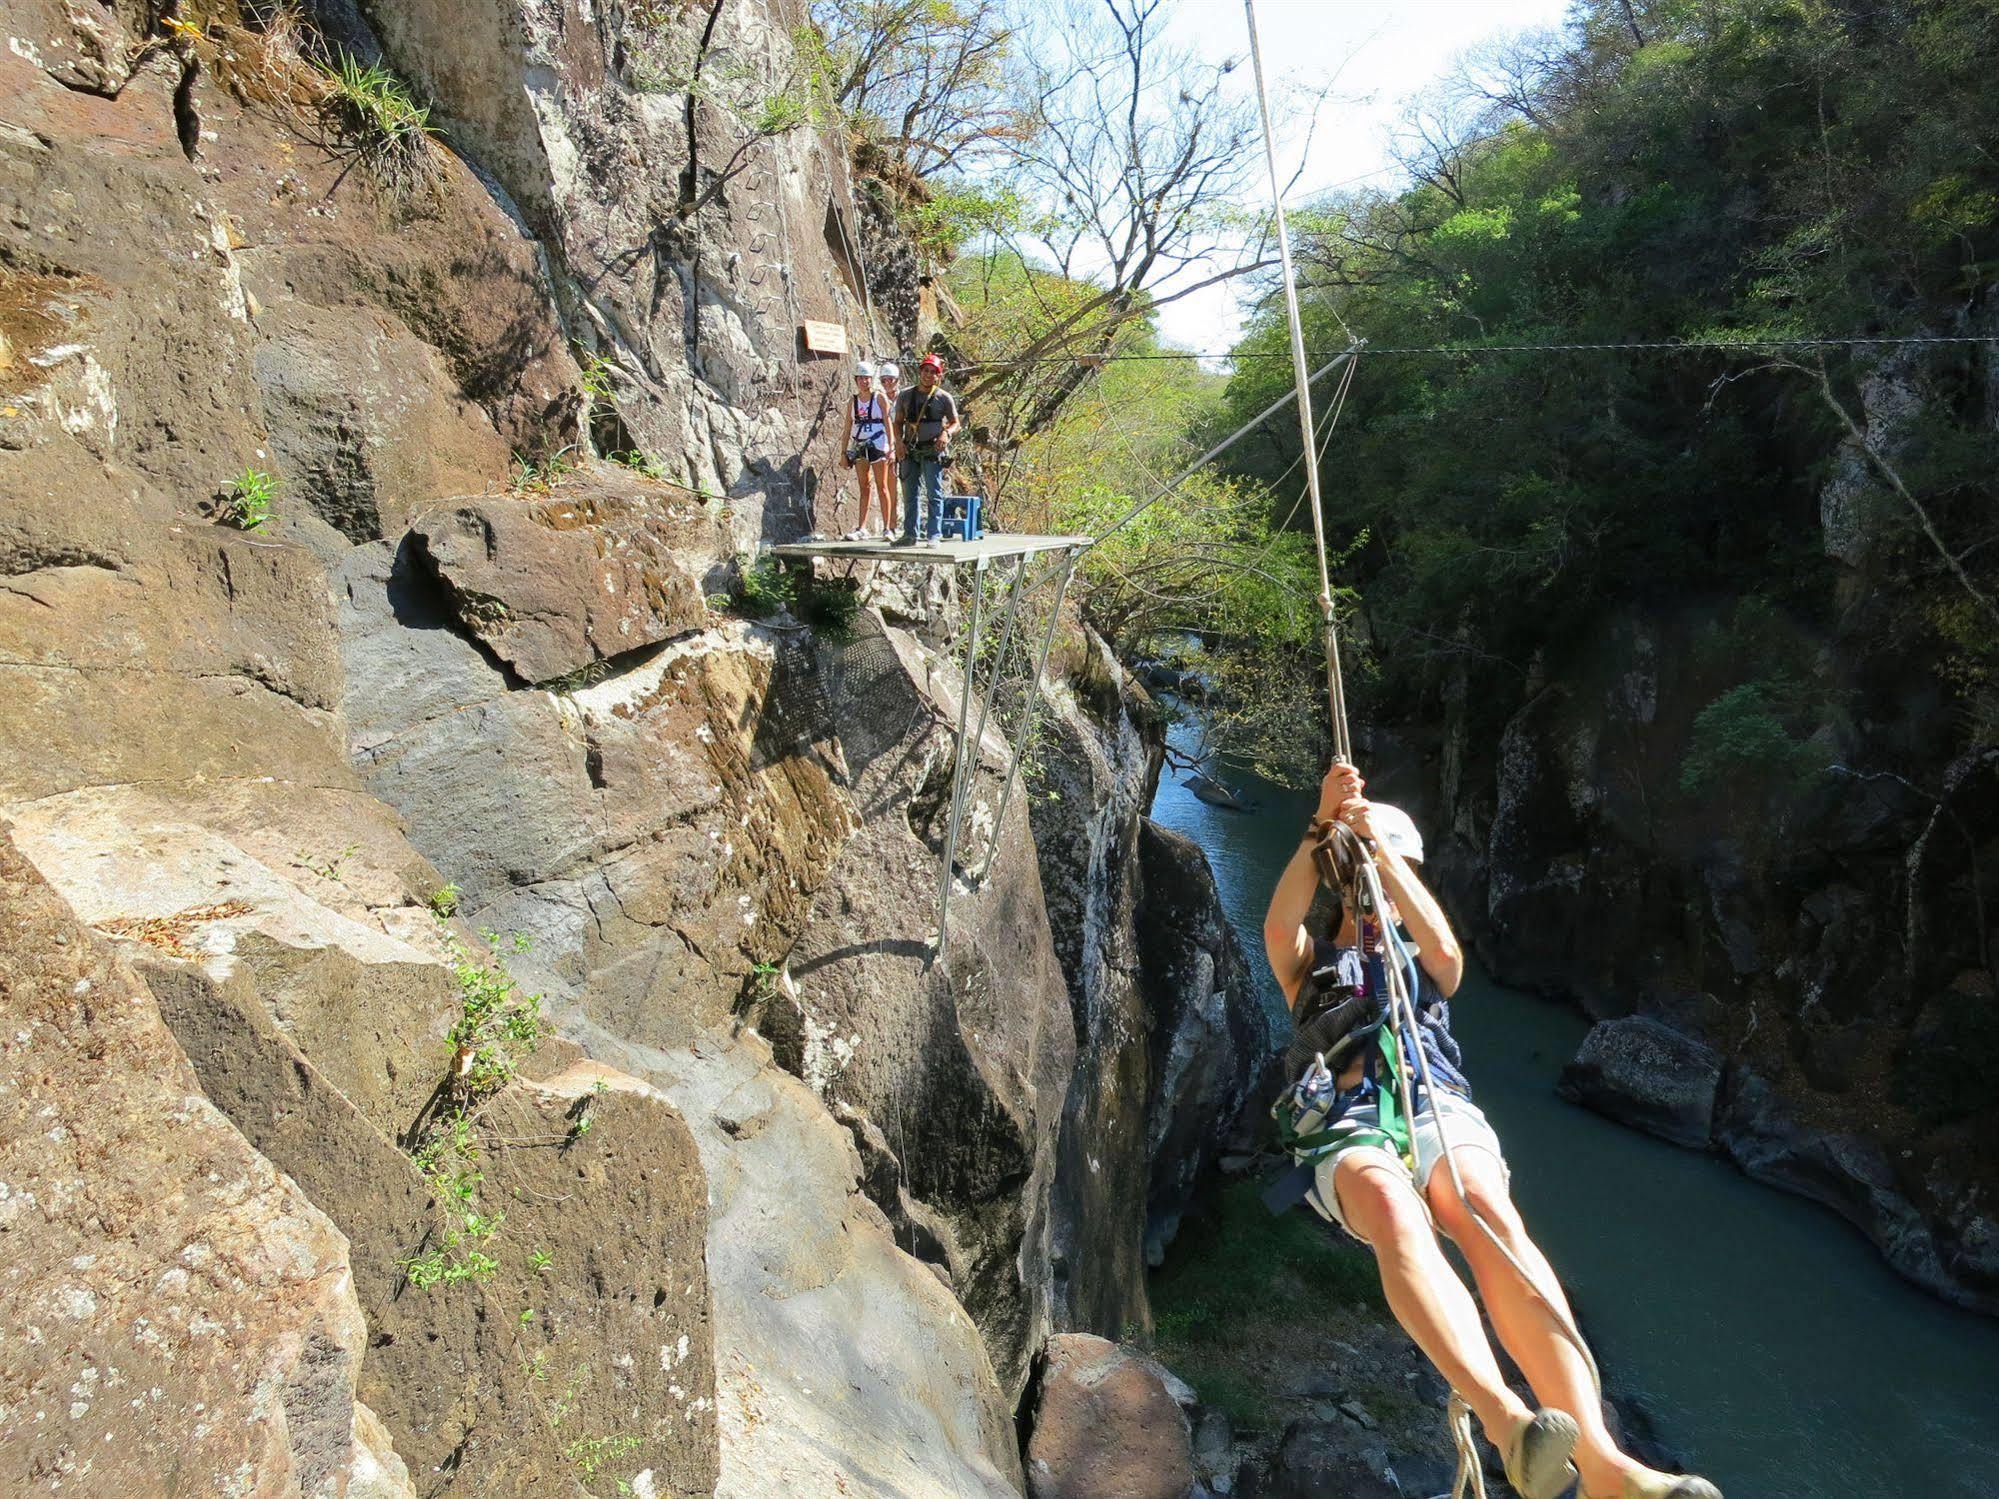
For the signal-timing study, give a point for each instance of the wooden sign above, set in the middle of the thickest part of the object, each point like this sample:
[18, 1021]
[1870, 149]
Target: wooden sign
[823, 338]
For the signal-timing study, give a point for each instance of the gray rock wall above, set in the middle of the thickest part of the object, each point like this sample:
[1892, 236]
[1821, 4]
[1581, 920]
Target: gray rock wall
[1823, 936]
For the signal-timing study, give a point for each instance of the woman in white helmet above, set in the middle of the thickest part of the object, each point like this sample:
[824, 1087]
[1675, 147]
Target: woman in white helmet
[1373, 1171]
[891, 383]
[866, 447]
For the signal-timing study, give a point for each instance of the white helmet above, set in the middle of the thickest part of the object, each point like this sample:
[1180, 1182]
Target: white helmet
[1396, 829]
[889, 371]
[864, 371]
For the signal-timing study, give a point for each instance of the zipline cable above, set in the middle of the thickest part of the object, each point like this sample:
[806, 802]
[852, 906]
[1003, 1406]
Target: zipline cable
[1335, 696]
[1449, 350]
[1215, 452]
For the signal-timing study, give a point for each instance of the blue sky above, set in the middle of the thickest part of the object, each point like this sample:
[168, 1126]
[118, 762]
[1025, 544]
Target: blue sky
[1382, 52]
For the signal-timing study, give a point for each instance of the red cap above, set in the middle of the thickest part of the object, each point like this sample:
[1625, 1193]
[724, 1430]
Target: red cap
[933, 362]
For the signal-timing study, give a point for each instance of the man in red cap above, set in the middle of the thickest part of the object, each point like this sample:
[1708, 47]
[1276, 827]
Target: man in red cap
[925, 419]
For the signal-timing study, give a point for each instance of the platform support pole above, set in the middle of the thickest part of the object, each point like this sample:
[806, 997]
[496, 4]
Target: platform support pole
[958, 768]
[1033, 701]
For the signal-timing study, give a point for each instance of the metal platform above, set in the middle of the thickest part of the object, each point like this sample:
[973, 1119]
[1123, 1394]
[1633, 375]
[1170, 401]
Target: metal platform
[988, 548]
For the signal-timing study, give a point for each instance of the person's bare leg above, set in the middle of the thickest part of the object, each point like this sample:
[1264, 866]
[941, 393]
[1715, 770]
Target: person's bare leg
[1545, 1355]
[882, 498]
[1423, 1288]
[863, 472]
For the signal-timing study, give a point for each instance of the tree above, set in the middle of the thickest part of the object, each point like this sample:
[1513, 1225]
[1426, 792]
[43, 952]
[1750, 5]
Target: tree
[1132, 173]
[922, 82]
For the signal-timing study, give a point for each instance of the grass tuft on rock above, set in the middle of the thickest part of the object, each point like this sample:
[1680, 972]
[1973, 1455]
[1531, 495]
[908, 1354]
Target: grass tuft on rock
[378, 105]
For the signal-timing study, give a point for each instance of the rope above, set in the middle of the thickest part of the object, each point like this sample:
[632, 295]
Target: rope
[1470, 1482]
[1448, 350]
[1399, 965]
[1335, 695]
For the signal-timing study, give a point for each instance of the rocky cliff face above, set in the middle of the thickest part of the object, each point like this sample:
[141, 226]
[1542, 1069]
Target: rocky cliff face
[1825, 948]
[1169, 1034]
[782, 1201]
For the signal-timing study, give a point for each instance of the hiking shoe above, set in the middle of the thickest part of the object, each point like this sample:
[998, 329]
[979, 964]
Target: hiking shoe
[904, 539]
[1537, 1459]
[1666, 1486]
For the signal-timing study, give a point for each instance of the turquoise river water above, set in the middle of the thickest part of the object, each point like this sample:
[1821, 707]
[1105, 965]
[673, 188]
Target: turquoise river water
[1764, 1337]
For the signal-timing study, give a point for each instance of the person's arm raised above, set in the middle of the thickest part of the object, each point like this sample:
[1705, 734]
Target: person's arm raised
[1437, 945]
[1286, 941]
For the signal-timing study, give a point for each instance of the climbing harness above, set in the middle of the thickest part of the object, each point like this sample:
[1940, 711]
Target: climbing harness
[870, 421]
[1342, 854]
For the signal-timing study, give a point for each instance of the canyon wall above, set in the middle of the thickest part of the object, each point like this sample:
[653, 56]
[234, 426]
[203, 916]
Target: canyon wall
[478, 982]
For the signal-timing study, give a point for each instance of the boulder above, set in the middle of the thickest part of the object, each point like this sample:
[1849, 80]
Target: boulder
[1332, 1456]
[1849, 1173]
[1106, 1426]
[1645, 1074]
[604, 563]
[169, 1301]
[842, 1364]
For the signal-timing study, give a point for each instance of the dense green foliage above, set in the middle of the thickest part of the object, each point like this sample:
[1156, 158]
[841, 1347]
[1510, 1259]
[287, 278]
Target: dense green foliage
[1766, 168]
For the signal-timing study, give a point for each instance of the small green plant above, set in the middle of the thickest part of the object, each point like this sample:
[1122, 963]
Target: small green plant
[586, 675]
[329, 869]
[537, 475]
[461, 1255]
[540, 1260]
[378, 105]
[640, 463]
[246, 504]
[589, 1455]
[597, 375]
[443, 902]
[765, 587]
[498, 1024]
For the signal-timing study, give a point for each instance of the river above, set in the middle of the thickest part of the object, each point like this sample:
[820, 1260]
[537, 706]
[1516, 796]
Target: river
[1765, 1339]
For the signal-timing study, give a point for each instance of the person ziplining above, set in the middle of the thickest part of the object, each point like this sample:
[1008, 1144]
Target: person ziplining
[1347, 1116]
[1376, 1096]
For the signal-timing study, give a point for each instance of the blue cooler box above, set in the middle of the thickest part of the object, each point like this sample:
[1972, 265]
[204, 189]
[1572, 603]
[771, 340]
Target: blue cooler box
[961, 518]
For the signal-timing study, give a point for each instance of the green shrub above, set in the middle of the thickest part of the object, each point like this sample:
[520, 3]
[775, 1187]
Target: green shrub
[1738, 738]
[246, 504]
[765, 587]
[829, 606]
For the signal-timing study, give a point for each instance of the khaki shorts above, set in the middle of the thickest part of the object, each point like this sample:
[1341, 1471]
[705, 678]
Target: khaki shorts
[1468, 1130]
